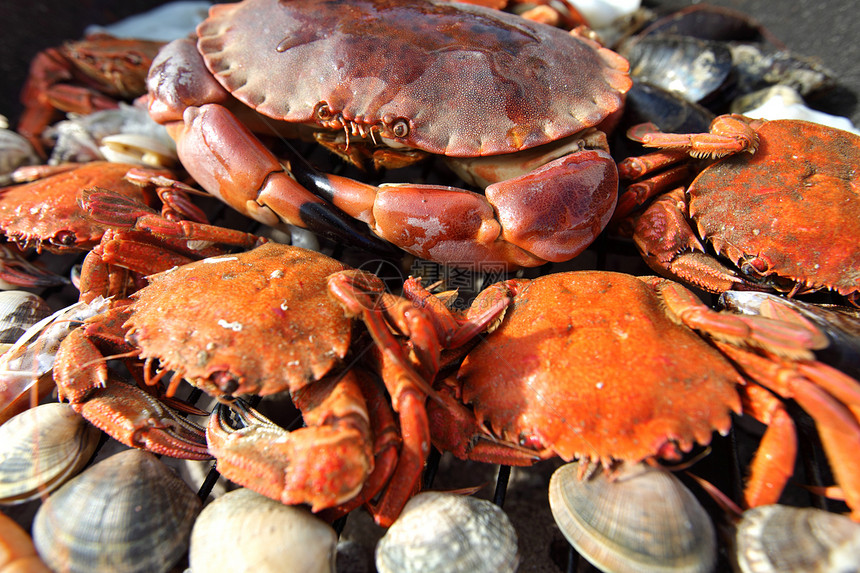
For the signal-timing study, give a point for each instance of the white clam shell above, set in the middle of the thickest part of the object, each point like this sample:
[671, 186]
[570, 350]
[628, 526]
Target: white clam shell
[243, 531]
[128, 513]
[643, 521]
[448, 532]
[779, 538]
[783, 102]
[40, 449]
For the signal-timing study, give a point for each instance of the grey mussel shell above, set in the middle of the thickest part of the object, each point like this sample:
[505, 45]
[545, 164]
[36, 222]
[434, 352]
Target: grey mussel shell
[127, 513]
[787, 539]
[243, 531]
[448, 532]
[19, 310]
[40, 449]
[642, 521]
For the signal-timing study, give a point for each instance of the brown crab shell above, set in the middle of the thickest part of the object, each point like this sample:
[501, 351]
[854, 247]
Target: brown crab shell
[467, 80]
[794, 203]
[46, 213]
[590, 365]
[263, 316]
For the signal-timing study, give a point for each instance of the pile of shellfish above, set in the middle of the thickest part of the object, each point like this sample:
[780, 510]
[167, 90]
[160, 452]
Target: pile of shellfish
[82, 500]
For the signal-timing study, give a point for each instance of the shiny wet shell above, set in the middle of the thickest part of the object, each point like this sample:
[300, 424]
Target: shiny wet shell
[19, 310]
[643, 521]
[779, 538]
[506, 83]
[448, 532]
[40, 449]
[127, 513]
[245, 531]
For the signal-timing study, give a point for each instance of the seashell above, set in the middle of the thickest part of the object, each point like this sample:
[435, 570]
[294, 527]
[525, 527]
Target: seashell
[127, 513]
[167, 22]
[758, 66]
[83, 138]
[19, 310]
[709, 22]
[30, 360]
[40, 449]
[693, 68]
[783, 102]
[787, 539]
[602, 13]
[245, 531]
[137, 148]
[643, 520]
[667, 110]
[15, 151]
[448, 532]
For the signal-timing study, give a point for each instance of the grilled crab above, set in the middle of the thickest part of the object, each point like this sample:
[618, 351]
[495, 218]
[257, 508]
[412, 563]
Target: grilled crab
[519, 105]
[781, 217]
[610, 367]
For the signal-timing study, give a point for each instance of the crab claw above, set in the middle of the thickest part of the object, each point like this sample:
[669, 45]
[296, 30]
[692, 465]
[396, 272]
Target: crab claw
[322, 465]
[139, 420]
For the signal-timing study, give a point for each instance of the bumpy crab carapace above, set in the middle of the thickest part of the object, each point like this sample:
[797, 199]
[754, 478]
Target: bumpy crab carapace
[517, 106]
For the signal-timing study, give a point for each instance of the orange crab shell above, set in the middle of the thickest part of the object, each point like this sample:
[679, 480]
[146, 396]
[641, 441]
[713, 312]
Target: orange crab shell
[794, 204]
[590, 365]
[46, 211]
[263, 317]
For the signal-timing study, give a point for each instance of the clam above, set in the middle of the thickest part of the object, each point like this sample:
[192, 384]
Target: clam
[127, 513]
[25, 367]
[693, 68]
[641, 520]
[784, 102]
[19, 310]
[787, 539]
[447, 532]
[245, 531]
[15, 151]
[40, 449]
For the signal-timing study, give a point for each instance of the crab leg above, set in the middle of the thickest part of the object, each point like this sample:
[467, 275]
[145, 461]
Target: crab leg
[549, 214]
[125, 412]
[324, 464]
[254, 182]
[386, 447]
[838, 427]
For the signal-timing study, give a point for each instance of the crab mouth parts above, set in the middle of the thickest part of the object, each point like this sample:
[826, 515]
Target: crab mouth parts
[388, 127]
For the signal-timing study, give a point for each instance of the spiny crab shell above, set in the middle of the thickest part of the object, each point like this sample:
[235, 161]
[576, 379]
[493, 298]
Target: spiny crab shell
[799, 208]
[594, 367]
[429, 75]
[267, 321]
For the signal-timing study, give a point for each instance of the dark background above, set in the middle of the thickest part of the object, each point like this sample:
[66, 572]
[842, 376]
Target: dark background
[825, 30]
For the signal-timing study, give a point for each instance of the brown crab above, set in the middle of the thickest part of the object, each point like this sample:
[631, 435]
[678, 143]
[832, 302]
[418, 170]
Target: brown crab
[520, 105]
[609, 368]
[783, 216]
[83, 77]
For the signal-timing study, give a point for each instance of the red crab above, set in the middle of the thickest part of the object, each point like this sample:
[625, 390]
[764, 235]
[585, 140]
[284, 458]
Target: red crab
[517, 104]
[83, 77]
[46, 214]
[611, 367]
[783, 216]
[274, 319]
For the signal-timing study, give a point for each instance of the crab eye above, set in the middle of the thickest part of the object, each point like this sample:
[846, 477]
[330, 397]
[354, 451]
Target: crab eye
[323, 112]
[400, 128]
